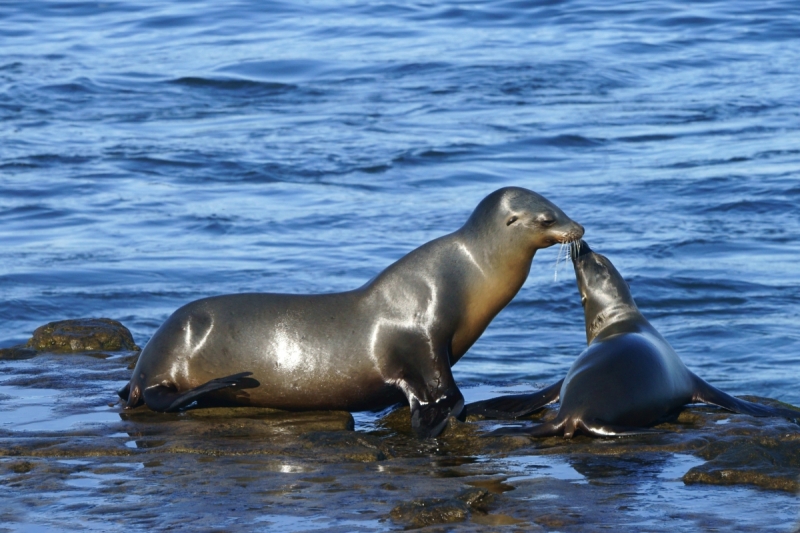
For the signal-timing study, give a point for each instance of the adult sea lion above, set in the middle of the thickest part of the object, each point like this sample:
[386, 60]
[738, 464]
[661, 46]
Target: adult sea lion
[628, 377]
[394, 338]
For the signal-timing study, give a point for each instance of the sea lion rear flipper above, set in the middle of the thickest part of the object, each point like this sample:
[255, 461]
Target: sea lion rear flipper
[705, 393]
[548, 429]
[167, 398]
[515, 405]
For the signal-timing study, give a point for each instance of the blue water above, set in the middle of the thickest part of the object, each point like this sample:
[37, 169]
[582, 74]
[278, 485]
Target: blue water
[153, 153]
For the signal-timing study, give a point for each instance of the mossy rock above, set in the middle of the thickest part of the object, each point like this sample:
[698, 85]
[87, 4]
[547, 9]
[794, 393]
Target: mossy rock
[82, 335]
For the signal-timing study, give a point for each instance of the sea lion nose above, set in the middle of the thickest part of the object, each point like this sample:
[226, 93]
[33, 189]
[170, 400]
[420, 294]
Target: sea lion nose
[579, 249]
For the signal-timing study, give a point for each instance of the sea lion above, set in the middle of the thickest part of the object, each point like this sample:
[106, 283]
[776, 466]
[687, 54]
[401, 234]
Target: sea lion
[628, 378]
[394, 338]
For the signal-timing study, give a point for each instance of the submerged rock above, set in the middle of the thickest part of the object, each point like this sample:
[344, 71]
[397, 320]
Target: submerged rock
[82, 335]
[17, 353]
[430, 511]
[421, 513]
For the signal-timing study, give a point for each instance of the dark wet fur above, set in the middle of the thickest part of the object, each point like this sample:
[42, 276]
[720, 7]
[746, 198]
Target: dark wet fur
[626, 340]
[704, 393]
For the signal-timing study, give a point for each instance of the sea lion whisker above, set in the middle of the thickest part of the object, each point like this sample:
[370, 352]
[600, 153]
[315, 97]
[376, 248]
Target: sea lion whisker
[558, 258]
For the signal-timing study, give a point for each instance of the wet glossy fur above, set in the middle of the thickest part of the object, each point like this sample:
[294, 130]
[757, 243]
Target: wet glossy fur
[395, 338]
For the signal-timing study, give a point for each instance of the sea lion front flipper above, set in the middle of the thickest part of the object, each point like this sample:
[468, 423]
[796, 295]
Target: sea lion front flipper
[166, 398]
[428, 419]
[433, 397]
[515, 405]
[705, 393]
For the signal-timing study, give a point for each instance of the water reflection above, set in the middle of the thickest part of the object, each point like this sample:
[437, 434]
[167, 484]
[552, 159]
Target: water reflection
[537, 466]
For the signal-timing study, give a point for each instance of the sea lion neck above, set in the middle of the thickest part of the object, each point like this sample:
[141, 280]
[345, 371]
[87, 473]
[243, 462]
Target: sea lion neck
[613, 321]
[499, 260]
[606, 298]
[493, 277]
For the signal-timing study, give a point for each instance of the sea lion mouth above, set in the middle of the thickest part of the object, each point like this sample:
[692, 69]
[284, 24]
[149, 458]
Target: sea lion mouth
[579, 248]
[567, 239]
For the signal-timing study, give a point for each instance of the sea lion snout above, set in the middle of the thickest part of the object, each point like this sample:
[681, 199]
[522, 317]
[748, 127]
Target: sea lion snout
[579, 249]
[574, 233]
[566, 231]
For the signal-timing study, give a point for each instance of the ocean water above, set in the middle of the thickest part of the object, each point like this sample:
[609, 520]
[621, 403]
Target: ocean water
[153, 153]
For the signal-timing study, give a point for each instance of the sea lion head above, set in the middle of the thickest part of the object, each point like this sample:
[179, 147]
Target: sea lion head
[524, 219]
[605, 295]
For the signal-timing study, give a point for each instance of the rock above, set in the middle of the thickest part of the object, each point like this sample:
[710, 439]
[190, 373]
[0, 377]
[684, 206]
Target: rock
[421, 513]
[346, 446]
[476, 499]
[768, 462]
[429, 511]
[16, 353]
[21, 467]
[82, 335]
[398, 420]
[493, 486]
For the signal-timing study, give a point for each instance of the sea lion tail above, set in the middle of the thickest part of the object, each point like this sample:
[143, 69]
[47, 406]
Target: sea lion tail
[125, 391]
[705, 393]
[166, 398]
[131, 395]
[515, 405]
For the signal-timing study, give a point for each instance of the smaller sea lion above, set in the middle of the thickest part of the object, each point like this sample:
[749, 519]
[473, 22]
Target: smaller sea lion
[628, 378]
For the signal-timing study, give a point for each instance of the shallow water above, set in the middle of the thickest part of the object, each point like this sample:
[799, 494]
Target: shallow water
[152, 154]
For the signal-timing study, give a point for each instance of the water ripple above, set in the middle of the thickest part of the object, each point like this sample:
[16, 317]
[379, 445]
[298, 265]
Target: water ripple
[155, 153]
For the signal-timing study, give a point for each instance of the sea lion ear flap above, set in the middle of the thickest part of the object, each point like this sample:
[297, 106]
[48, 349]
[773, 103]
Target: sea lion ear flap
[429, 419]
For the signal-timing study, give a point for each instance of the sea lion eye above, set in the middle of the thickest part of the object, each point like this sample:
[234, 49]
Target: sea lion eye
[512, 220]
[583, 301]
[547, 221]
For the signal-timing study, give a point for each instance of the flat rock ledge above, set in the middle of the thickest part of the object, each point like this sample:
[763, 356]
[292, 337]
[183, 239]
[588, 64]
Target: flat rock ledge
[268, 464]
